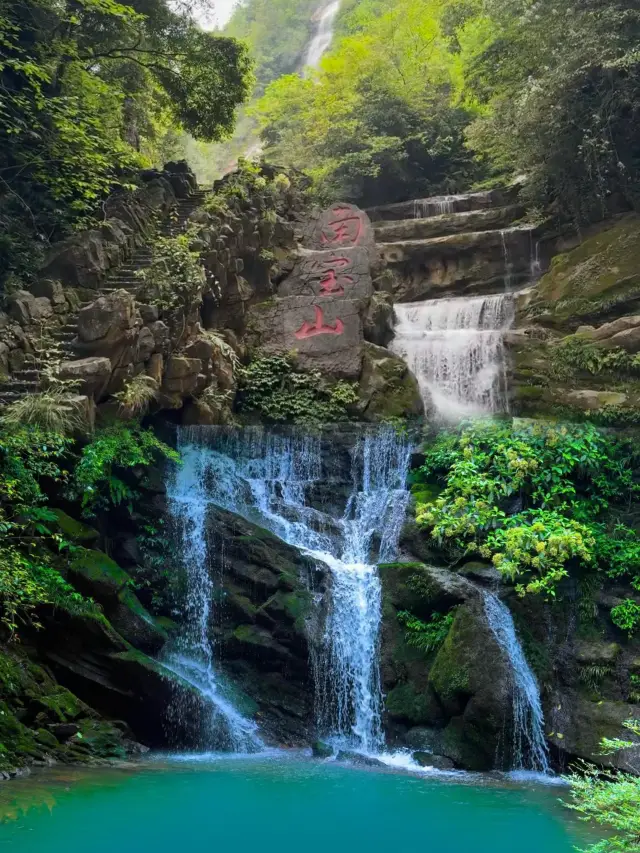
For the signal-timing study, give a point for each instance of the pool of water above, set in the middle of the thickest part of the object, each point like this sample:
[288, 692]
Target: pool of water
[279, 804]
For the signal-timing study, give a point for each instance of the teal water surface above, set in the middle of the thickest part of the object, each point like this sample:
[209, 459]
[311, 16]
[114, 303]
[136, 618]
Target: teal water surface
[276, 805]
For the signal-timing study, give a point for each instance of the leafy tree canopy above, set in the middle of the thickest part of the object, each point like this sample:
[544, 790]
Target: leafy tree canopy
[87, 91]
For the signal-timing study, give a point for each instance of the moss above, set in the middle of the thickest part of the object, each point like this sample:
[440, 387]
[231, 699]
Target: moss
[32, 702]
[593, 279]
[416, 706]
[99, 569]
[72, 529]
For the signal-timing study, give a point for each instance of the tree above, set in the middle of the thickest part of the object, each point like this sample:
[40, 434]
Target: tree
[377, 123]
[84, 87]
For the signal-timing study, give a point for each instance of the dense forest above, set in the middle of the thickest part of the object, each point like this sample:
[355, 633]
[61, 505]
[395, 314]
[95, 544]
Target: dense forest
[213, 422]
[427, 98]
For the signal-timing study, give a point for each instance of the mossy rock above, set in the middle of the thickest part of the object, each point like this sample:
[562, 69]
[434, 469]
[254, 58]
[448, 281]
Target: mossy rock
[596, 281]
[95, 574]
[73, 529]
[388, 390]
[32, 709]
[417, 707]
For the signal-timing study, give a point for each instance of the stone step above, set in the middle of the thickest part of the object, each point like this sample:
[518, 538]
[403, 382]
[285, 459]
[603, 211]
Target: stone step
[493, 218]
[18, 386]
[422, 208]
[26, 374]
[514, 239]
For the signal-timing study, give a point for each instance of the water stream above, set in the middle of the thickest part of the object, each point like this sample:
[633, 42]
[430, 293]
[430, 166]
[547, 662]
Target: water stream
[529, 748]
[269, 478]
[191, 656]
[323, 37]
[455, 349]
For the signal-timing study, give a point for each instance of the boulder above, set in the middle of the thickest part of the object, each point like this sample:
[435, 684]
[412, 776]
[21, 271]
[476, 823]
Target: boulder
[90, 658]
[595, 282]
[155, 367]
[576, 725]
[181, 374]
[387, 389]
[438, 762]
[264, 623]
[378, 319]
[26, 308]
[107, 319]
[201, 348]
[345, 272]
[145, 345]
[92, 374]
[319, 749]
[84, 259]
[52, 290]
[326, 336]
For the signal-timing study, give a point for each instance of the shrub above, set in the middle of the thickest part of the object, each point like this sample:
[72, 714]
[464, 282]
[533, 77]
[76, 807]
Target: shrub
[271, 386]
[426, 636]
[537, 500]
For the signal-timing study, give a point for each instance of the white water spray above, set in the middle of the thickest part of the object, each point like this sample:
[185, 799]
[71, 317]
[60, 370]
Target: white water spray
[192, 656]
[455, 349]
[529, 751]
[323, 37]
[268, 478]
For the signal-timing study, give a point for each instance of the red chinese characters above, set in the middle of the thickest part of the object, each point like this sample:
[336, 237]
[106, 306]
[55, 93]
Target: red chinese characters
[344, 228]
[332, 279]
[319, 327]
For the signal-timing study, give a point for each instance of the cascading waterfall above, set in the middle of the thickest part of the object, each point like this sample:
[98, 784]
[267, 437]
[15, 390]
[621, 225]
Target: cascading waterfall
[324, 35]
[529, 750]
[268, 478]
[455, 349]
[191, 657]
[436, 206]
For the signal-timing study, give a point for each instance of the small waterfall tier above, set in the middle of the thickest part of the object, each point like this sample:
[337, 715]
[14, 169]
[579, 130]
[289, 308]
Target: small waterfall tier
[529, 748]
[455, 349]
[346, 520]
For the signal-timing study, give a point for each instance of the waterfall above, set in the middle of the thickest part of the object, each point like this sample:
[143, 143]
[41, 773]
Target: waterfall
[529, 745]
[324, 35]
[435, 206]
[455, 349]
[268, 478]
[191, 657]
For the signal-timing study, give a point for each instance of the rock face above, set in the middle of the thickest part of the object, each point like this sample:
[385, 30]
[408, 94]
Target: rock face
[578, 329]
[461, 692]
[261, 630]
[318, 312]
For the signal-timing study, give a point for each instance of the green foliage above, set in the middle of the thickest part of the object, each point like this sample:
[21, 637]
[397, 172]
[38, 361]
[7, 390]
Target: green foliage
[577, 353]
[593, 675]
[88, 89]
[536, 499]
[426, 636]
[627, 616]
[609, 798]
[272, 387]
[135, 398]
[175, 277]
[557, 84]
[377, 122]
[31, 457]
[100, 480]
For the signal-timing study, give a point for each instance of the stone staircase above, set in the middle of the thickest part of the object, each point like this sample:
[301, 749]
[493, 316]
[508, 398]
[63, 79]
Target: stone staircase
[27, 380]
